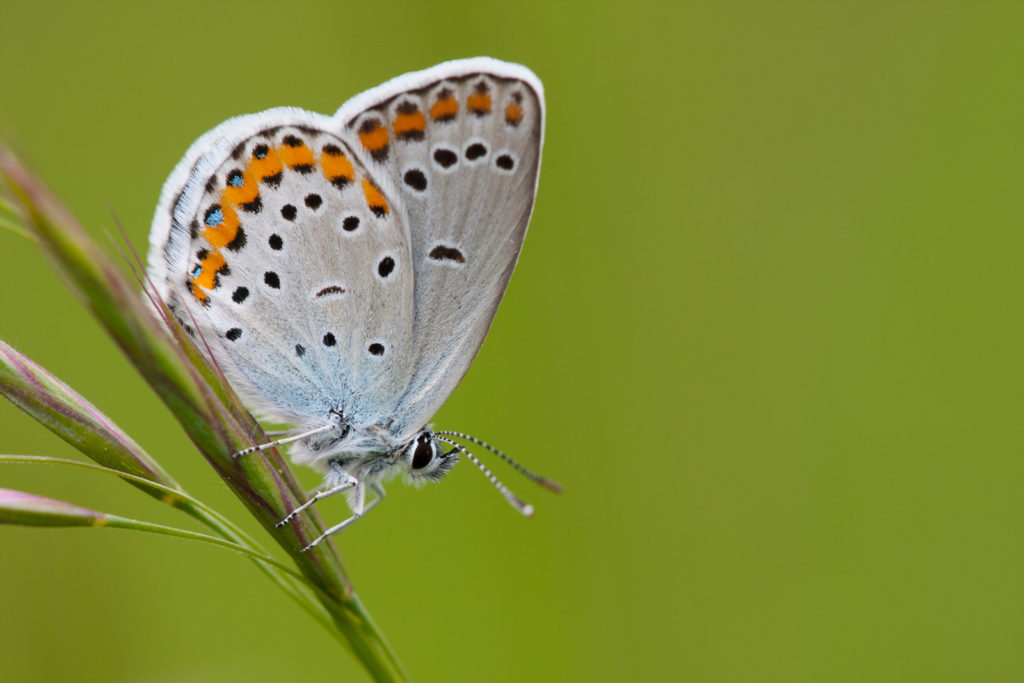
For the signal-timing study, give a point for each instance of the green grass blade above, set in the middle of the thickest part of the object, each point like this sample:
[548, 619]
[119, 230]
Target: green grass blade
[68, 415]
[215, 521]
[28, 509]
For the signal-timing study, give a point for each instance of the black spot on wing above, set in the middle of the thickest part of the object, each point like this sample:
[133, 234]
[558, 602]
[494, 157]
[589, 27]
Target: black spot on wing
[255, 206]
[238, 242]
[445, 157]
[415, 179]
[331, 289]
[444, 253]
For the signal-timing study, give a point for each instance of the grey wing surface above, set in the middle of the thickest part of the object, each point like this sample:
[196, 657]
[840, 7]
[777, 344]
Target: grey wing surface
[293, 264]
[461, 144]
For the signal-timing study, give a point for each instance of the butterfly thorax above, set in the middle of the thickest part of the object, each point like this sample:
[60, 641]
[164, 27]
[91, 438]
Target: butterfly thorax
[370, 453]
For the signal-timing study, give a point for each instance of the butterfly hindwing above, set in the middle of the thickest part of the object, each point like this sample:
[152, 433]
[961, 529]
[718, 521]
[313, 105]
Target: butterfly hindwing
[295, 266]
[461, 145]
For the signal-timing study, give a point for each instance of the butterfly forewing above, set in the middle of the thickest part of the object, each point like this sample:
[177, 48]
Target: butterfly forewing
[462, 149]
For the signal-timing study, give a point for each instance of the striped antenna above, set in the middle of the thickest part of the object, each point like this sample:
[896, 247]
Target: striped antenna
[532, 476]
[281, 442]
[524, 508]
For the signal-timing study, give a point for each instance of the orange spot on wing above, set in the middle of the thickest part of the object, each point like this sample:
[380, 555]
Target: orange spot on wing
[374, 199]
[201, 296]
[408, 125]
[336, 166]
[225, 231]
[243, 194]
[445, 108]
[269, 165]
[513, 114]
[479, 103]
[213, 262]
[300, 155]
[374, 139]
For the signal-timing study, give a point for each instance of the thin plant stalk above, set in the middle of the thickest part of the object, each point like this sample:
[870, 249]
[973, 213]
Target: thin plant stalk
[215, 521]
[203, 403]
[78, 422]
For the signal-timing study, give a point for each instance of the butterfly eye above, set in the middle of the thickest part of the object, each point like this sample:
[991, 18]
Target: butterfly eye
[423, 454]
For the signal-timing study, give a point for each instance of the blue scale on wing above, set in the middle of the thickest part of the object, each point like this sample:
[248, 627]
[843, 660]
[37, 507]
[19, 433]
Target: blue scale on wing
[304, 300]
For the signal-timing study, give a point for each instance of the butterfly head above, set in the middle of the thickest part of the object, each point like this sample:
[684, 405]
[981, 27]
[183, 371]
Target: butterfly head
[425, 460]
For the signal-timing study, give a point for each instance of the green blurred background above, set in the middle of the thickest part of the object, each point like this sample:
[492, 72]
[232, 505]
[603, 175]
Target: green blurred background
[764, 329]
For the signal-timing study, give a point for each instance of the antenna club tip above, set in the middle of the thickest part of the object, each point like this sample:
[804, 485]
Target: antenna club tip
[550, 485]
[527, 510]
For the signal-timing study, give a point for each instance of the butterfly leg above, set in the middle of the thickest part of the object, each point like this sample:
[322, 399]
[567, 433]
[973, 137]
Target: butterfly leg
[378, 489]
[281, 442]
[348, 482]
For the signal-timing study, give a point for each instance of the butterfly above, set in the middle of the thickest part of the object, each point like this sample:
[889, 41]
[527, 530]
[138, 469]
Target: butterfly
[344, 270]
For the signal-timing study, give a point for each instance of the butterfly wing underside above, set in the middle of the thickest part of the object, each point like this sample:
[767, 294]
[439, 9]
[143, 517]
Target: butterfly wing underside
[461, 146]
[355, 261]
[292, 263]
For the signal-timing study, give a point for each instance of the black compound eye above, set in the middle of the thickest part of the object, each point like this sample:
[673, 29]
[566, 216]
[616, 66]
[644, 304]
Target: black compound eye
[423, 454]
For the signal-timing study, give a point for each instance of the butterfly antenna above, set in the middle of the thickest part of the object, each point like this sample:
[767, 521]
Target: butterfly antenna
[532, 476]
[524, 508]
